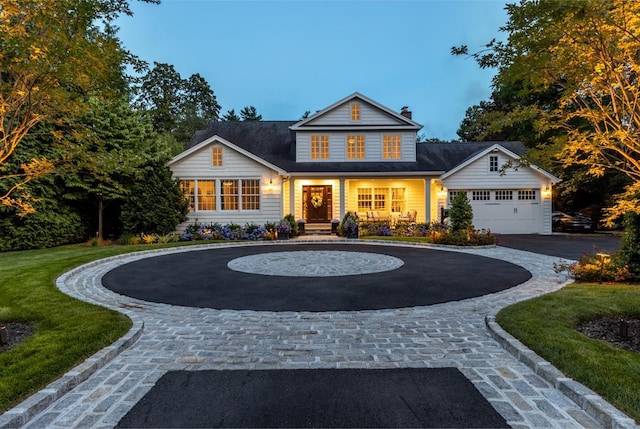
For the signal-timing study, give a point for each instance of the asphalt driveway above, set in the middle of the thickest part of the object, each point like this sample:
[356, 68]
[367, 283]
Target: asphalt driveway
[567, 246]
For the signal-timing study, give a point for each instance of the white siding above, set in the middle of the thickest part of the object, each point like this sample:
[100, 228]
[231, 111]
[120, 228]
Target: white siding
[369, 115]
[198, 166]
[477, 176]
[338, 146]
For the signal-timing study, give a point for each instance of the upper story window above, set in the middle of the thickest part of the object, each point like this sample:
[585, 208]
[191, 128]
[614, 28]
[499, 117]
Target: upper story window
[493, 163]
[355, 112]
[319, 147]
[355, 147]
[391, 147]
[216, 157]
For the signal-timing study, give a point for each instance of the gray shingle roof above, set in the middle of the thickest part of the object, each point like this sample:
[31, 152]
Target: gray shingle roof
[274, 142]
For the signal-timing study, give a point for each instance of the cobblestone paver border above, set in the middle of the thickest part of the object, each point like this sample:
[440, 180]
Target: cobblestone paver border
[526, 391]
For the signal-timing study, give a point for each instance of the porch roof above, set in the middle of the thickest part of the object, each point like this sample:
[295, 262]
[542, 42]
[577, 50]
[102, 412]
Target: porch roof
[275, 142]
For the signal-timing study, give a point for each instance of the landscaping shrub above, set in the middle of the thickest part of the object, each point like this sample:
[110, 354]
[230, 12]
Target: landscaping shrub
[45, 228]
[217, 231]
[461, 213]
[349, 224]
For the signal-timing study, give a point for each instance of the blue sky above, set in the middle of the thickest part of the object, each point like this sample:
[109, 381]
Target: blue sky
[287, 57]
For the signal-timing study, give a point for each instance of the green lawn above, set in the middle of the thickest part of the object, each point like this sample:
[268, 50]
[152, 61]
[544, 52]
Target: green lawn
[547, 325]
[67, 331]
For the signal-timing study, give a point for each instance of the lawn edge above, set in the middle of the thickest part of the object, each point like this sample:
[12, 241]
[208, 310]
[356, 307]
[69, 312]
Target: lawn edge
[585, 398]
[22, 413]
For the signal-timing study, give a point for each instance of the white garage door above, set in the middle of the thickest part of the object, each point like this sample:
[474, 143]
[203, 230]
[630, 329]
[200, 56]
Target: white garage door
[507, 211]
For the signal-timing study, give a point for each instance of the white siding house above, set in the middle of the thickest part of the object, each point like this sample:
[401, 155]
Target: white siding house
[355, 155]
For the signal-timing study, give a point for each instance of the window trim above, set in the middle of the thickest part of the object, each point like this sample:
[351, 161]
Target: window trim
[217, 160]
[493, 164]
[319, 147]
[355, 111]
[391, 146]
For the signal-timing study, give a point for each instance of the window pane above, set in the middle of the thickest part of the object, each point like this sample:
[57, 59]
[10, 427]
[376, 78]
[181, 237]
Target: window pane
[251, 194]
[324, 147]
[493, 163]
[355, 112]
[206, 194]
[189, 188]
[229, 195]
[216, 156]
[364, 199]
[504, 195]
[527, 195]
[397, 200]
[351, 147]
[379, 198]
[360, 147]
[481, 195]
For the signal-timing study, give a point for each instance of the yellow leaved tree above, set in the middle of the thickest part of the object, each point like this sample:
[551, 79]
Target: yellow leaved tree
[54, 56]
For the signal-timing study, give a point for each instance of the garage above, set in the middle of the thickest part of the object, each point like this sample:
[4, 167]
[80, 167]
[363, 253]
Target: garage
[509, 211]
[507, 195]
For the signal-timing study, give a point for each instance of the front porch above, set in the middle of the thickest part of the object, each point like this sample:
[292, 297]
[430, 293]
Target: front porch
[319, 201]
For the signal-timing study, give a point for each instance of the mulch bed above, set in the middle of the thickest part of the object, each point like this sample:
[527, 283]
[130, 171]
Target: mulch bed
[16, 333]
[608, 329]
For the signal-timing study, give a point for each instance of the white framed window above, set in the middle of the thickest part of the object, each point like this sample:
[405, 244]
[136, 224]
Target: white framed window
[250, 194]
[216, 156]
[504, 195]
[355, 147]
[481, 195]
[493, 163]
[529, 194]
[380, 198]
[189, 189]
[206, 194]
[398, 201]
[365, 199]
[391, 146]
[229, 194]
[319, 147]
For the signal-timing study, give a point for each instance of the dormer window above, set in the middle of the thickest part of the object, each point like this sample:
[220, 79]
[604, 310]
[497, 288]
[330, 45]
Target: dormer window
[355, 112]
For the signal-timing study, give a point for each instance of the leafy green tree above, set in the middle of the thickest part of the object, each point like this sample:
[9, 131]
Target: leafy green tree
[461, 212]
[155, 203]
[177, 106]
[231, 116]
[249, 113]
[587, 52]
[160, 94]
[54, 55]
[106, 160]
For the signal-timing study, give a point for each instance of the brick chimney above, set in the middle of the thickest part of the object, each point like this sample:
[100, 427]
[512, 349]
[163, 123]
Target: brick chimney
[406, 112]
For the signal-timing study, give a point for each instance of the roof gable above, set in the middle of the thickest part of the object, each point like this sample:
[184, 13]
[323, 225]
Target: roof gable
[217, 139]
[494, 148]
[373, 115]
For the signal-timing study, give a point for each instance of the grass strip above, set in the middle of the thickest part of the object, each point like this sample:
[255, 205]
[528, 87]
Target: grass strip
[67, 330]
[547, 325]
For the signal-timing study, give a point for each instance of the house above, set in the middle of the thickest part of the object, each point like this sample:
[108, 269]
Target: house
[355, 155]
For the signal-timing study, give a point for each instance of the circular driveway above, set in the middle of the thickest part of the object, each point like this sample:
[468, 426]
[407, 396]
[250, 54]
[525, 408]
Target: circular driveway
[398, 277]
[568, 246]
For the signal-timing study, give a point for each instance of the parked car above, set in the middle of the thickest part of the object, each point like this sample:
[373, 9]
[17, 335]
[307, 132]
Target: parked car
[572, 221]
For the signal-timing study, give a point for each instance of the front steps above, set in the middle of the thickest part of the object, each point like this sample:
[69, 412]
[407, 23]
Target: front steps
[317, 229]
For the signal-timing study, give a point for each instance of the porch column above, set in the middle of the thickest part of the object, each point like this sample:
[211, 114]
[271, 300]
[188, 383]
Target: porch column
[427, 201]
[342, 200]
[292, 197]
